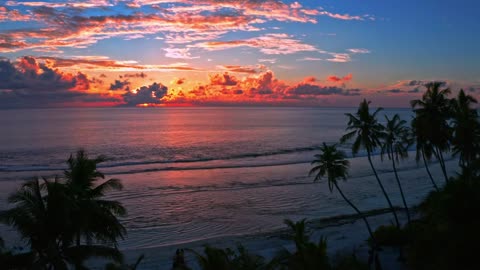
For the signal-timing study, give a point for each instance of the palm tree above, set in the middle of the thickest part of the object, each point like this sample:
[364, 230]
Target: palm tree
[308, 255]
[423, 146]
[42, 216]
[396, 141]
[466, 130]
[333, 164]
[213, 259]
[96, 217]
[219, 259]
[118, 266]
[433, 112]
[298, 232]
[367, 132]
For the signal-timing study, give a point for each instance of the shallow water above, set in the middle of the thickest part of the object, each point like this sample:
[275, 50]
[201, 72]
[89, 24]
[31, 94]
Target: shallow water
[199, 173]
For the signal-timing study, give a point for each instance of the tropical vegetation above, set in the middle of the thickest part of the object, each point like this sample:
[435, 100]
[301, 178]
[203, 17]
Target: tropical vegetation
[67, 220]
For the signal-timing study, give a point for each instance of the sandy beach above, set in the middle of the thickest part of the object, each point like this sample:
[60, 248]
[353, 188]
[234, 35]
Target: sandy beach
[345, 235]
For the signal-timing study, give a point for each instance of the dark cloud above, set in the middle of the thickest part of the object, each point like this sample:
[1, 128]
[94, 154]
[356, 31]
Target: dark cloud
[422, 83]
[261, 91]
[316, 90]
[136, 75]
[395, 91]
[119, 85]
[473, 89]
[180, 81]
[151, 94]
[415, 90]
[415, 83]
[28, 83]
[240, 69]
[96, 80]
[223, 79]
[352, 92]
[199, 91]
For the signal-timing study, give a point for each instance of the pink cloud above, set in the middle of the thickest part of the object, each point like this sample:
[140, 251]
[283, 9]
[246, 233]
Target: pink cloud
[242, 69]
[267, 44]
[179, 53]
[104, 64]
[189, 21]
[339, 58]
[13, 15]
[359, 50]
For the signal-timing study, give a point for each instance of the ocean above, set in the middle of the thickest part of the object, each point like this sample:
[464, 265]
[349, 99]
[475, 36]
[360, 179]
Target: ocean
[194, 174]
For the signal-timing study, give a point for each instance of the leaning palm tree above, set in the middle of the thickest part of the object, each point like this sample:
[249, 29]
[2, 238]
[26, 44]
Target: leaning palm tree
[367, 132]
[466, 128]
[396, 141]
[333, 164]
[96, 217]
[433, 112]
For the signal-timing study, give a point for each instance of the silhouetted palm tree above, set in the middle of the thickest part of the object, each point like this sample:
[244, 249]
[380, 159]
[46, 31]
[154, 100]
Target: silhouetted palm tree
[308, 255]
[432, 113]
[298, 232]
[466, 130]
[423, 146]
[219, 259]
[333, 164]
[96, 217]
[367, 132]
[213, 259]
[42, 216]
[396, 140]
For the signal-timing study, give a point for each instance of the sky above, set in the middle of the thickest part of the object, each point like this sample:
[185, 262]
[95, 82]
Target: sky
[94, 53]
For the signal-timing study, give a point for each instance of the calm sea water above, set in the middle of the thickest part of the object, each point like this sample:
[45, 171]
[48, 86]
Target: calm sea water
[197, 173]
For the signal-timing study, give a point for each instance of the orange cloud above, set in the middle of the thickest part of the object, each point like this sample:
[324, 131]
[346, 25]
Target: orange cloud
[310, 79]
[336, 79]
[264, 88]
[223, 79]
[179, 81]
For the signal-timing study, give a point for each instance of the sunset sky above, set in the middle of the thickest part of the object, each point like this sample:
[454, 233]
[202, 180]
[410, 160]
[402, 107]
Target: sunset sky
[234, 52]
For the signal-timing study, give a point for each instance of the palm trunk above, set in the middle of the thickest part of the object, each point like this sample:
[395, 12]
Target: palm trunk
[358, 212]
[428, 170]
[383, 190]
[439, 156]
[444, 167]
[401, 189]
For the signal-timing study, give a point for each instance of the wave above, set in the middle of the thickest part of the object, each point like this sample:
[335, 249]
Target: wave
[279, 232]
[235, 185]
[45, 167]
[240, 185]
[133, 167]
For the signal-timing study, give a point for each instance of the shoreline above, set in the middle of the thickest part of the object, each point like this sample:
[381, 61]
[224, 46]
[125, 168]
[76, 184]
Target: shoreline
[345, 234]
